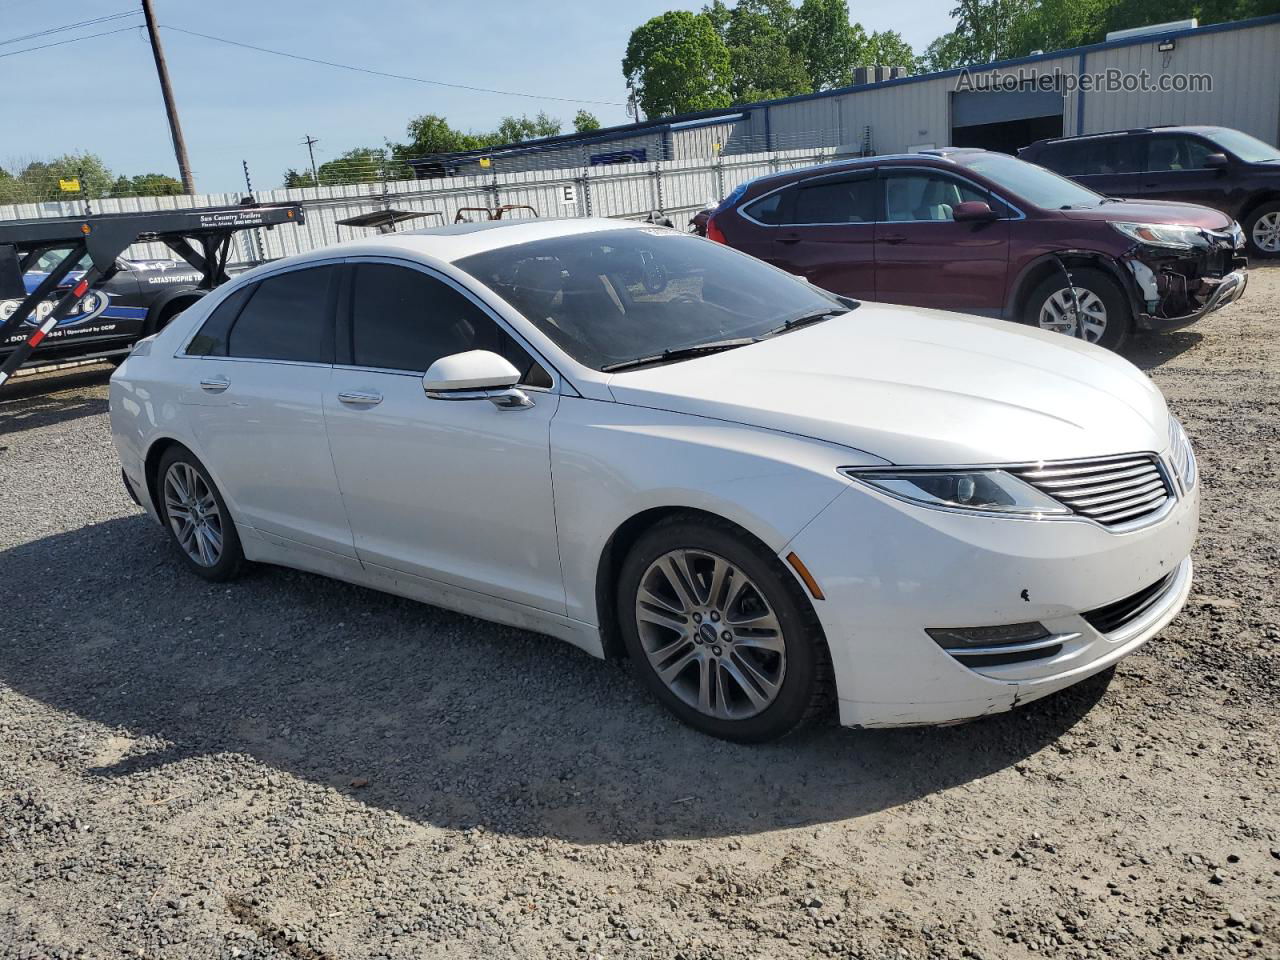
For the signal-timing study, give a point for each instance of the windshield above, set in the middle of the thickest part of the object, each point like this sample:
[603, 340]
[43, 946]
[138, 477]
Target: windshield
[618, 295]
[1247, 148]
[1026, 181]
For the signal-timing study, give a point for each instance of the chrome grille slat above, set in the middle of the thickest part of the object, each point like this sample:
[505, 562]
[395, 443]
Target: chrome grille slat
[1093, 479]
[1111, 490]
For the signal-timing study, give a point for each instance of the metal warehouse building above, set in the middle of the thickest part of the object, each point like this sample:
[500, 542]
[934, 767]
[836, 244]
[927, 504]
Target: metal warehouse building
[999, 106]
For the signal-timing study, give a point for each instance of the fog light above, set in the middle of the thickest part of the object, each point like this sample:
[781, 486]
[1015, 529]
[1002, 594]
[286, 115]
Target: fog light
[960, 638]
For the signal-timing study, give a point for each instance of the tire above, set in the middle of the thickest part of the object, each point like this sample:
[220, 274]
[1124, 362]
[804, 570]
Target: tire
[1100, 298]
[215, 558]
[1264, 244]
[770, 681]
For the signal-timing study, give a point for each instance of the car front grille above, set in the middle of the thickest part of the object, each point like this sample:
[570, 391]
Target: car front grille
[1110, 490]
[1115, 615]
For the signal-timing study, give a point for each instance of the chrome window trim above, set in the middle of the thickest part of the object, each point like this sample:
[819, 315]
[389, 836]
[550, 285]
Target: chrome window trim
[556, 377]
[878, 169]
[1175, 490]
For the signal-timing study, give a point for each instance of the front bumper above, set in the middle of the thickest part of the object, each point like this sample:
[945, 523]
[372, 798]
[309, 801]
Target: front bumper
[1220, 293]
[891, 570]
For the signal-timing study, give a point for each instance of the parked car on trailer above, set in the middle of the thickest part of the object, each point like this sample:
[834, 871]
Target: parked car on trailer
[1216, 166]
[986, 233]
[139, 299]
[640, 441]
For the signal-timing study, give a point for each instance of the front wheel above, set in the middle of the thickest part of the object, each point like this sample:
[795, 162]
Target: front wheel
[196, 516]
[1098, 312]
[721, 632]
[1262, 230]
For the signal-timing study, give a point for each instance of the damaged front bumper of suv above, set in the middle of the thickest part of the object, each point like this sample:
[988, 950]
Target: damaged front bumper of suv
[1173, 287]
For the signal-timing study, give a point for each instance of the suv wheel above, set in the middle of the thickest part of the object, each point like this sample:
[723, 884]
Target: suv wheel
[1098, 313]
[196, 516]
[1262, 230]
[721, 632]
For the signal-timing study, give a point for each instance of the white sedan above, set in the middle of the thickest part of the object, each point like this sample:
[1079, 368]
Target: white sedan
[652, 446]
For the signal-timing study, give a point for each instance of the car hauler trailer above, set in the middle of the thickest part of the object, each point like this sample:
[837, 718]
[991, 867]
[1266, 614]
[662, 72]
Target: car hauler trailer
[66, 313]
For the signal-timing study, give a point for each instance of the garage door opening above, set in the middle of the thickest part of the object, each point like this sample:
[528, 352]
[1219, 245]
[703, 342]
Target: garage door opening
[1004, 120]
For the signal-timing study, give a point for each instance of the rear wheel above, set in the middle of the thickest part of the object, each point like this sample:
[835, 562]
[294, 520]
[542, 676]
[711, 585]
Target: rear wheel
[1262, 230]
[196, 516]
[1092, 308]
[720, 632]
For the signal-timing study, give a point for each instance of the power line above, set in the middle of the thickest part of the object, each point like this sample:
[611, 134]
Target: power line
[70, 26]
[59, 43]
[393, 76]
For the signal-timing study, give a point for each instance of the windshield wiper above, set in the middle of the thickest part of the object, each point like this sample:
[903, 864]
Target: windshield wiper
[802, 321]
[678, 353]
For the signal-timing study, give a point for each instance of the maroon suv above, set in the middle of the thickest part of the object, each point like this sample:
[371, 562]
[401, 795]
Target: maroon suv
[985, 233]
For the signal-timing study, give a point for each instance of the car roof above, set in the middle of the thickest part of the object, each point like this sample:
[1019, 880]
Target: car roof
[935, 157]
[459, 240]
[1205, 129]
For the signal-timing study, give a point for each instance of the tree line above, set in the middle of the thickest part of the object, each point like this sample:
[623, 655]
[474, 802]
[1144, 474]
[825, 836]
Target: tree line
[38, 181]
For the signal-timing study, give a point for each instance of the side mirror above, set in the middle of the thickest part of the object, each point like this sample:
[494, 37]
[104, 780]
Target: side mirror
[476, 375]
[1217, 161]
[973, 211]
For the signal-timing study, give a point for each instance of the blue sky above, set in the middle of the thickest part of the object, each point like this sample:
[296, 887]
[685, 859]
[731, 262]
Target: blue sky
[101, 94]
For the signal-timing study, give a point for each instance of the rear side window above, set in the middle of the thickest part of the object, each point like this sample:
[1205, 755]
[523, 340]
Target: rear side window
[288, 317]
[767, 210]
[403, 319]
[211, 341]
[836, 201]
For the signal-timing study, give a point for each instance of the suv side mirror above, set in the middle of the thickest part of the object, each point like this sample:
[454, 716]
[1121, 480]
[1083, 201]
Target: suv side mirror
[1217, 161]
[973, 211]
[476, 375]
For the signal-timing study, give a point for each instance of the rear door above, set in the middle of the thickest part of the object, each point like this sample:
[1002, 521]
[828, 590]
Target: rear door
[254, 393]
[829, 236]
[925, 259]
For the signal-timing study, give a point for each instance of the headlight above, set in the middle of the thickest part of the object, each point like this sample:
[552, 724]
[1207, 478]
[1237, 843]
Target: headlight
[983, 491]
[1181, 454]
[1237, 235]
[1163, 234]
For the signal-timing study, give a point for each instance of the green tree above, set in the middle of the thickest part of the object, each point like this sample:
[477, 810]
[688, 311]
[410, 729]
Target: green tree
[826, 43]
[761, 55]
[294, 178]
[585, 121]
[361, 165]
[40, 180]
[676, 63]
[516, 129]
[945, 53]
[147, 185]
[887, 48]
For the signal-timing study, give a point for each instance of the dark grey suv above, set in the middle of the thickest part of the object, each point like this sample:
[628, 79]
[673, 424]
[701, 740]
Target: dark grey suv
[1215, 166]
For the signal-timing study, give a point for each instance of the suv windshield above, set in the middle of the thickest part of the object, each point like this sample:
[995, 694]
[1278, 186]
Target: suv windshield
[614, 296]
[1036, 185]
[1247, 148]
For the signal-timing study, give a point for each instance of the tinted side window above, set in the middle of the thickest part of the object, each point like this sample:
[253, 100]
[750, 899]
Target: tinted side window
[1169, 153]
[768, 210]
[925, 196]
[402, 319]
[288, 317]
[836, 201]
[211, 341]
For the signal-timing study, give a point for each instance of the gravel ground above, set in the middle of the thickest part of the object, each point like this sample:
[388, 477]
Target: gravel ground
[290, 767]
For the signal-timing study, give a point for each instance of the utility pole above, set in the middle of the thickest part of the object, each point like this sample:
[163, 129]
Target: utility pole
[311, 142]
[170, 106]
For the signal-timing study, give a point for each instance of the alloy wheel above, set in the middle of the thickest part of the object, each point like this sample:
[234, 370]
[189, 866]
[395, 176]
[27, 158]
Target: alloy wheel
[193, 514]
[1266, 232]
[710, 634]
[1061, 315]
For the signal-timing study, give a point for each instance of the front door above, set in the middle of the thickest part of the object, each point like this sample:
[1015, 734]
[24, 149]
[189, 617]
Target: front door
[830, 235]
[926, 259]
[256, 375]
[454, 491]
[1175, 170]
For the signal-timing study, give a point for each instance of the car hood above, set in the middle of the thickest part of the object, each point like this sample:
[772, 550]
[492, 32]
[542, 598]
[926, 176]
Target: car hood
[920, 387]
[1154, 211]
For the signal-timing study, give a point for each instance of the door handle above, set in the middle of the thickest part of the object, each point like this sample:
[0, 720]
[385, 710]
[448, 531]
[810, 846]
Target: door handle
[214, 384]
[360, 399]
[790, 238]
[893, 238]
